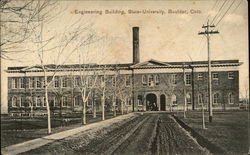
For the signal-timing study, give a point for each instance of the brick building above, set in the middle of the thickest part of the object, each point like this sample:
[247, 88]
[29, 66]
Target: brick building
[136, 86]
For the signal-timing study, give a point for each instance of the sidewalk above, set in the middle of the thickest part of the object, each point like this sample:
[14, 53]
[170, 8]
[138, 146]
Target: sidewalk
[35, 143]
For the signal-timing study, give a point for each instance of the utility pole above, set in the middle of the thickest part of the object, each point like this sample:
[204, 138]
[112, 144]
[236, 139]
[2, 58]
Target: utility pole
[184, 91]
[207, 33]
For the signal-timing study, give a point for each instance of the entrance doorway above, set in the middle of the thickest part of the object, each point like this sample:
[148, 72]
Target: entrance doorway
[151, 102]
[163, 102]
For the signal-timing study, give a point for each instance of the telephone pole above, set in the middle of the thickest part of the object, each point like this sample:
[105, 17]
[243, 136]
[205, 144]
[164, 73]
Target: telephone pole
[207, 33]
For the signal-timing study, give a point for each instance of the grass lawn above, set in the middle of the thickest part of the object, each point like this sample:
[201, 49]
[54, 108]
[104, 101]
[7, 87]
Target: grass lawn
[14, 131]
[229, 130]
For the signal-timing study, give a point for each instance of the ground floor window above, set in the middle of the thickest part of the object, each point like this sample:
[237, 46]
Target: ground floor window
[77, 101]
[188, 98]
[139, 100]
[174, 101]
[200, 99]
[216, 98]
[64, 101]
[230, 98]
[14, 101]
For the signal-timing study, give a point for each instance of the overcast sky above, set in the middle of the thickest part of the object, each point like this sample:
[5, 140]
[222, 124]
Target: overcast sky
[165, 36]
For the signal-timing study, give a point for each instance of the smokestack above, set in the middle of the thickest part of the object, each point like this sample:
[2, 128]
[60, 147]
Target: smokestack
[136, 54]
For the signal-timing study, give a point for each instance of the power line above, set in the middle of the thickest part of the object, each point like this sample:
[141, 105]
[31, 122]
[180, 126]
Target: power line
[211, 9]
[225, 13]
[218, 11]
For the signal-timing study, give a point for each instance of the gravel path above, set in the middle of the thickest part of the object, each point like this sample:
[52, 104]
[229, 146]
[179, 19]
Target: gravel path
[150, 133]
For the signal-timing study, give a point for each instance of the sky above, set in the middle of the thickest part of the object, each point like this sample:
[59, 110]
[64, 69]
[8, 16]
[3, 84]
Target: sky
[169, 35]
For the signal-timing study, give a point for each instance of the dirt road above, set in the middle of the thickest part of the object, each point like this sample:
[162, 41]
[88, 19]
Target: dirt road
[150, 133]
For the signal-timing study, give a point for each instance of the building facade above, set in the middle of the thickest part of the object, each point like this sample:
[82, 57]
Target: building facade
[137, 86]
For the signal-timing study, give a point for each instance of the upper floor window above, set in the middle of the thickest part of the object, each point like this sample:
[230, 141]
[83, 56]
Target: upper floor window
[39, 82]
[56, 82]
[102, 81]
[144, 81]
[200, 76]
[216, 98]
[22, 82]
[173, 79]
[157, 80]
[215, 76]
[77, 81]
[64, 82]
[150, 80]
[32, 82]
[230, 75]
[113, 81]
[127, 81]
[90, 81]
[15, 83]
[188, 79]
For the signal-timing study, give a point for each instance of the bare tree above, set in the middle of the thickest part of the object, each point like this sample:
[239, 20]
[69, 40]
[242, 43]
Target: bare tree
[18, 22]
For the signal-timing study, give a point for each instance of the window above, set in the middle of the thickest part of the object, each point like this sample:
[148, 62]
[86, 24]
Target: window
[127, 81]
[64, 82]
[64, 101]
[200, 76]
[188, 98]
[14, 101]
[157, 80]
[150, 80]
[230, 75]
[174, 101]
[52, 101]
[200, 98]
[113, 81]
[188, 79]
[77, 101]
[44, 102]
[144, 82]
[139, 100]
[230, 98]
[15, 83]
[90, 82]
[128, 100]
[173, 78]
[39, 101]
[32, 82]
[77, 81]
[22, 101]
[56, 82]
[215, 76]
[21, 82]
[102, 81]
[38, 82]
[216, 98]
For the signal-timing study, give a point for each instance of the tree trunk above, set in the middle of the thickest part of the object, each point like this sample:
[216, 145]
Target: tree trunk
[103, 109]
[94, 109]
[61, 117]
[84, 113]
[47, 103]
[122, 107]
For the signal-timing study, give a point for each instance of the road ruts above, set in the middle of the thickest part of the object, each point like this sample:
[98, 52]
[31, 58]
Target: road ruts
[160, 135]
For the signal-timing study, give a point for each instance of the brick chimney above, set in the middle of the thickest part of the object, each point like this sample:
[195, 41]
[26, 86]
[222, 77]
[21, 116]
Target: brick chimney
[136, 53]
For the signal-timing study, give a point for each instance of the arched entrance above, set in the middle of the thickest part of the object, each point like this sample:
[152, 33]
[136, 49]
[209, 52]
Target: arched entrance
[151, 102]
[162, 102]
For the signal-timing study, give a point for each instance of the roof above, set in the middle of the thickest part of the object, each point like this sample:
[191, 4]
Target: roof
[142, 65]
